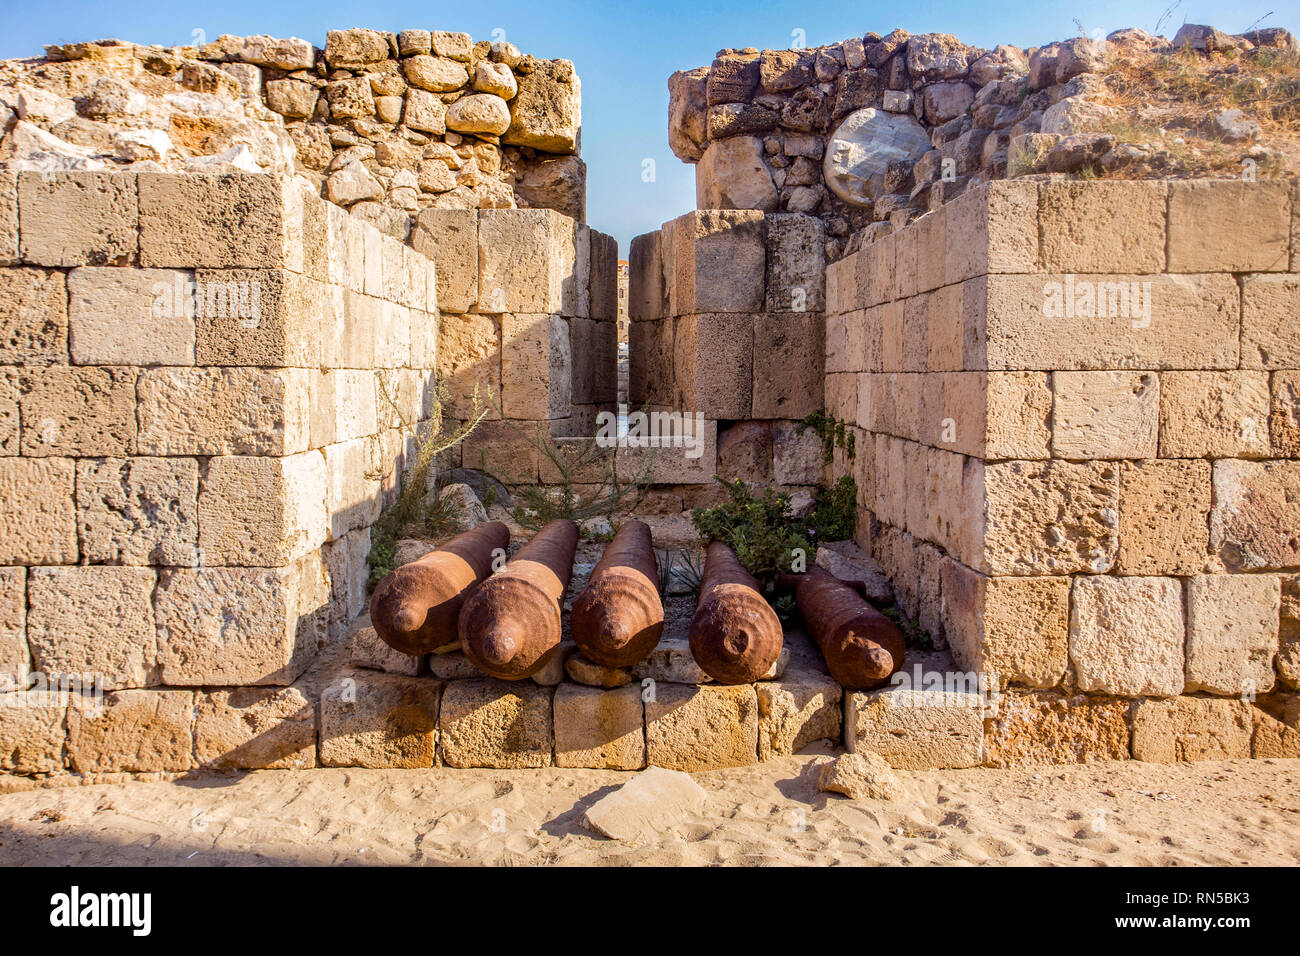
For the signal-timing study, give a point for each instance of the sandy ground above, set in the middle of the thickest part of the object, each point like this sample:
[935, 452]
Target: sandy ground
[1128, 813]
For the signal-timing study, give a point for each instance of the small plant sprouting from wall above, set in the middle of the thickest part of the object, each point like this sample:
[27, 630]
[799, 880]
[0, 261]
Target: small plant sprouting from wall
[832, 432]
[415, 512]
[835, 511]
[586, 463]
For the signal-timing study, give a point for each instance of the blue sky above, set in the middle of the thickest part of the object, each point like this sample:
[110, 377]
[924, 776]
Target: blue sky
[624, 52]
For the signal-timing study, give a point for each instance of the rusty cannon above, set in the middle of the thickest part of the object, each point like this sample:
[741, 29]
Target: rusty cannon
[735, 635]
[510, 624]
[416, 607]
[618, 618]
[861, 646]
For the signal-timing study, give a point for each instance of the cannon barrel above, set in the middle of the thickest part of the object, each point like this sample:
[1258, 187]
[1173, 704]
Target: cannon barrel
[511, 623]
[861, 646]
[618, 618]
[415, 608]
[735, 635]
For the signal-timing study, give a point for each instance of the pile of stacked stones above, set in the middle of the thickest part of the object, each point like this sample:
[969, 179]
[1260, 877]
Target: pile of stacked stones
[385, 124]
[878, 128]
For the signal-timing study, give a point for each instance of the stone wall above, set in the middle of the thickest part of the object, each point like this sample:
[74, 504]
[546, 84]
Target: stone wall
[205, 377]
[883, 128]
[726, 310]
[385, 124]
[1096, 503]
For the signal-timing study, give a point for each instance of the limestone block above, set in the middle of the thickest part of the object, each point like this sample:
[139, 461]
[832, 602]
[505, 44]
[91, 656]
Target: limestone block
[536, 367]
[1191, 728]
[78, 411]
[647, 296]
[223, 411]
[369, 651]
[71, 610]
[915, 729]
[713, 364]
[1103, 227]
[33, 727]
[78, 218]
[670, 661]
[138, 511]
[505, 449]
[992, 229]
[1214, 415]
[353, 499]
[1127, 635]
[686, 455]
[1158, 322]
[38, 518]
[1105, 414]
[1052, 517]
[527, 262]
[1014, 628]
[802, 706]
[130, 316]
[134, 731]
[492, 723]
[34, 316]
[1164, 513]
[1284, 420]
[603, 277]
[702, 728]
[797, 455]
[1017, 417]
[379, 721]
[546, 113]
[1232, 633]
[711, 259]
[1272, 737]
[469, 357]
[1042, 729]
[653, 802]
[731, 174]
[1270, 337]
[345, 406]
[1229, 225]
[8, 218]
[262, 511]
[266, 317]
[1256, 511]
[255, 729]
[240, 626]
[224, 221]
[392, 336]
[787, 357]
[602, 729]
[15, 662]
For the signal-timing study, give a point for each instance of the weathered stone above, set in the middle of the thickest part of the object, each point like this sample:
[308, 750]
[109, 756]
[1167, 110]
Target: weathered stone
[139, 511]
[379, 721]
[731, 174]
[1127, 635]
[292, 98]
[802, 706]
[1105, 414]
[479, 113]
[1229, 226]
[1256, 511]
[33, 726]
[860, 776]
[133, 731]
[355, 49]
[34, 316]
[591, 674]
[1040, 729]
[75, 218]
[1103, 227]
[528, 262]
[914, 729]
[369, 651]
[492, 723]
[70, 608]
[224, 626]
[262, 511]
[1214, 414]
[1164, 508]
[255, 729]
[796, 265]
[702, 728]
[862, 147]
[713, 365]
[536, 367]
[687, 104]
[352, 184]
[1232, 633]
[710, 261]
[224, 411]
[546, 114]
[601, 729]
[231, 220]
[647, 806]
[671, 661]
[38, 519]
[1270, 337]
[1191, 728]
[78, 411]
[130, 317]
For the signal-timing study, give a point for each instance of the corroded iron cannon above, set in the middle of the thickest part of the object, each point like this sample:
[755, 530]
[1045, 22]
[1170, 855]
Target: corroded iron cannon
[416, 607]
[861, 646]
[511, 623]
[618, 618]
[735, 635]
